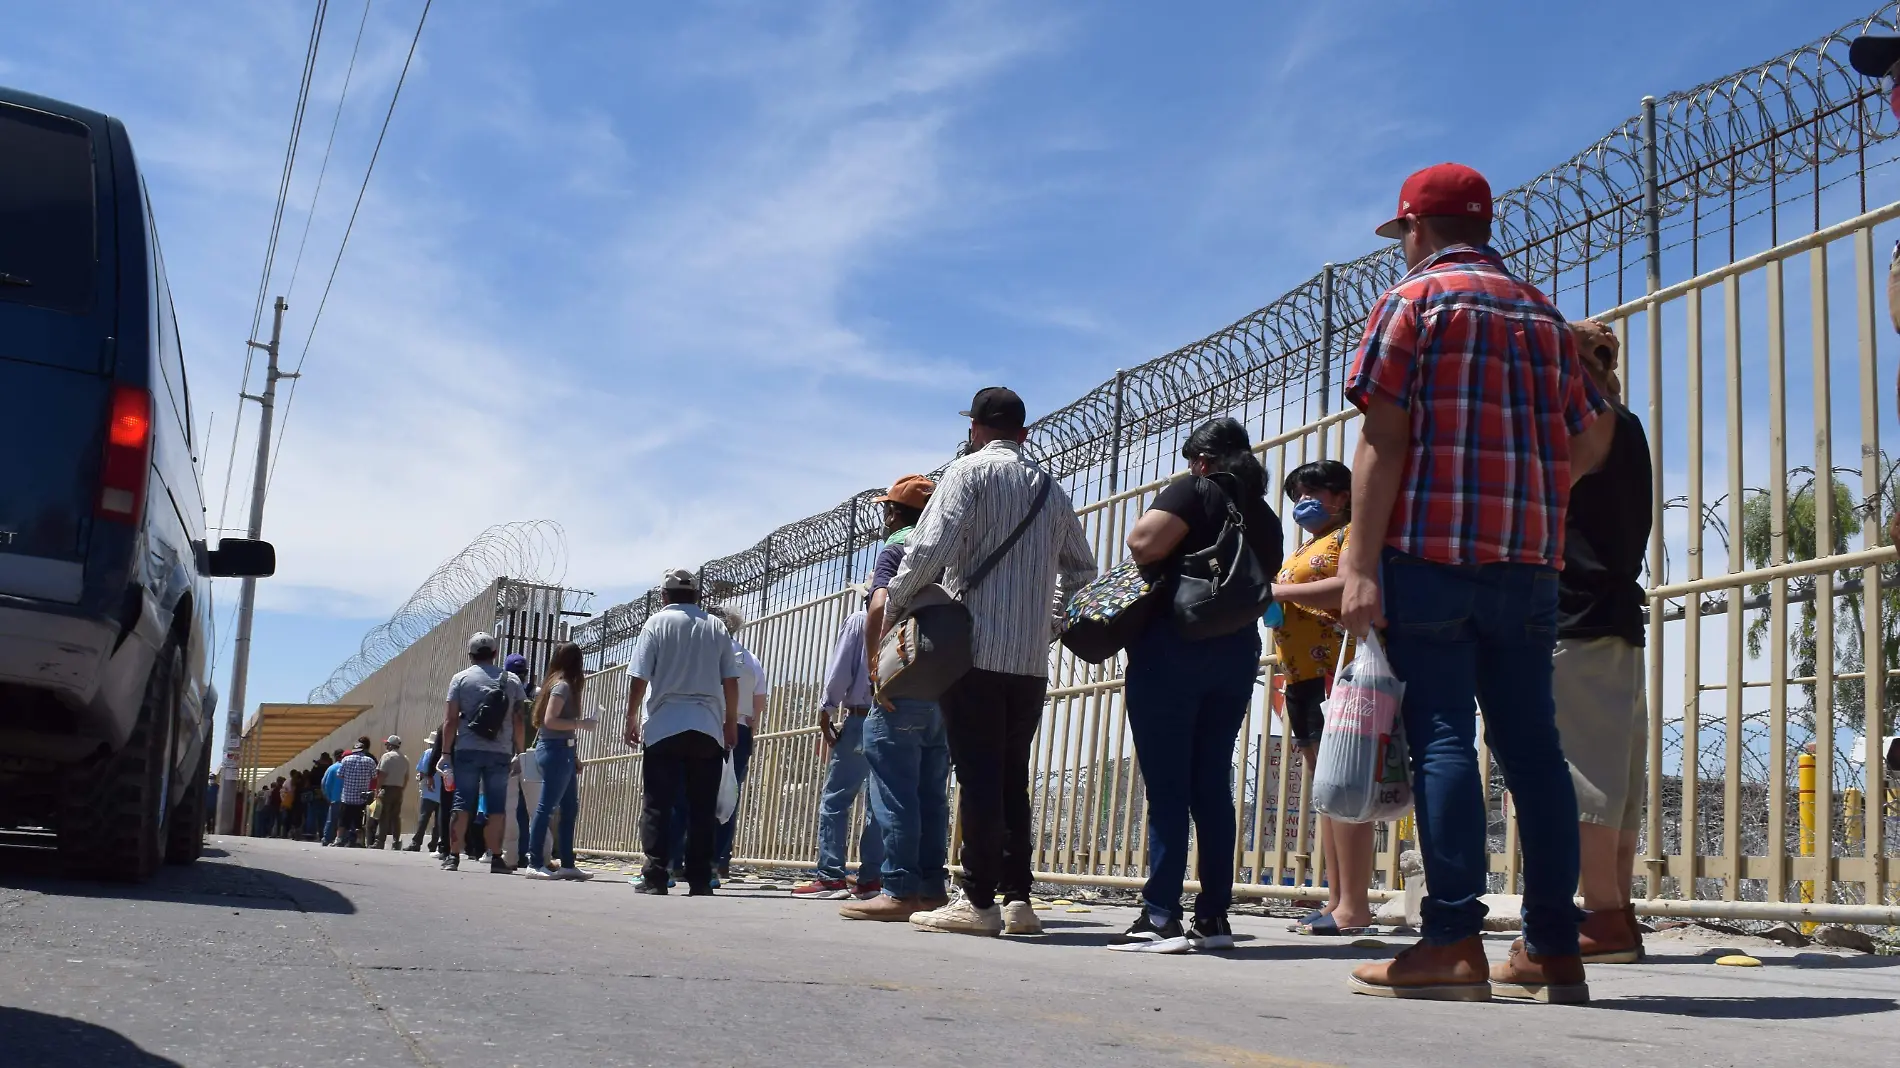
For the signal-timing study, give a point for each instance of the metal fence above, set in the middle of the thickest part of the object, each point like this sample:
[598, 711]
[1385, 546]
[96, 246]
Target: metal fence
[1756, 655]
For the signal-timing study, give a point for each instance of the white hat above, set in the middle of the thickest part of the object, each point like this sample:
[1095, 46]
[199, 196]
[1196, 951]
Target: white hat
[393, 742]
[481, 642]
[680, 579]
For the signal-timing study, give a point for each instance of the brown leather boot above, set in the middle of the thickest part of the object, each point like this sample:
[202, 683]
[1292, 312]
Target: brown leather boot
[1536, 977]
[1610, 937]
[1454, 972]
[883, 907]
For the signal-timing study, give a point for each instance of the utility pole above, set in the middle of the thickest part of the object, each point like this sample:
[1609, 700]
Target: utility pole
[228, 813]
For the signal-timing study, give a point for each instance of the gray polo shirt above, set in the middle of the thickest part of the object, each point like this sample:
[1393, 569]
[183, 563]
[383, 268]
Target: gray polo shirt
[685, 656]
[467, 689]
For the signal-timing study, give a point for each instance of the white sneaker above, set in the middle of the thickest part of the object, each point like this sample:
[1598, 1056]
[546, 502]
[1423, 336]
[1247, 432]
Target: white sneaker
[535, 873]
[960, 917]
[1020, 919]
[575, 874]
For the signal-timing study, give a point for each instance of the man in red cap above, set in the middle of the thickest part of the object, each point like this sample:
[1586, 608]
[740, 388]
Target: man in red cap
[1478, 417]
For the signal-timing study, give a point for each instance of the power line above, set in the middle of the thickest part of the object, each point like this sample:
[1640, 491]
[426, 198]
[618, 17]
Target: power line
[375, 153]
[270, 245]
[324, 167]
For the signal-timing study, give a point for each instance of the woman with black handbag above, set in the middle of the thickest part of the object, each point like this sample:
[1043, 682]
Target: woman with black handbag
[1188, 695]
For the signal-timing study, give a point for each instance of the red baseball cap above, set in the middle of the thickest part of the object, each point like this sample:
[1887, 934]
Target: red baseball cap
[1442, 189]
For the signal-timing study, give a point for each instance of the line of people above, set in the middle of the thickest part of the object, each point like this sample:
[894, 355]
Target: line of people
[1500, 492]
[1509, 492]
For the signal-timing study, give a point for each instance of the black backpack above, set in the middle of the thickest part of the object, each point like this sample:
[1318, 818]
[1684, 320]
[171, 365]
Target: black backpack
[488, 716]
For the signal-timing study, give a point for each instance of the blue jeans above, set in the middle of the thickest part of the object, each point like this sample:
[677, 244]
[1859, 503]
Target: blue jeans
[909, 756]
[481, 778]
[559, 788]
[329, 820]
[1456, 633]
[843, 779]
[1187, 701]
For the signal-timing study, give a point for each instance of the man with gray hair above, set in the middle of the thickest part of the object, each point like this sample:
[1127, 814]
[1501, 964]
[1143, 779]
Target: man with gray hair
[683, 701]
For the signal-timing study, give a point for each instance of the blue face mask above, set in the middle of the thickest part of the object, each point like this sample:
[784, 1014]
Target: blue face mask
[1311, 515]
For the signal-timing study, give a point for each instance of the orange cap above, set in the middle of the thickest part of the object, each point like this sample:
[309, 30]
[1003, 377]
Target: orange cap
[912, 490]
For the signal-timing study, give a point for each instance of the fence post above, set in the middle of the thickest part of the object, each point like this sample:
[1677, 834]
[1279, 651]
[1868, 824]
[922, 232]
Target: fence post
[1115, 447]
[765, 579]
[1325, 350]
[1652, 198]
[1652, 257]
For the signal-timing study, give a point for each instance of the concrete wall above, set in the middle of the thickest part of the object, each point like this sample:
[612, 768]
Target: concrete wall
[405, 695]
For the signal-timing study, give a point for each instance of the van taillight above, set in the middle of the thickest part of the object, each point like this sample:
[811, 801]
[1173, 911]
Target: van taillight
[128, 455]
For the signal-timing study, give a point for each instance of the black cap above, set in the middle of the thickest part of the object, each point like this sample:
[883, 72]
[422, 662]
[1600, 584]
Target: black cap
[998, 408]
[1874, 54]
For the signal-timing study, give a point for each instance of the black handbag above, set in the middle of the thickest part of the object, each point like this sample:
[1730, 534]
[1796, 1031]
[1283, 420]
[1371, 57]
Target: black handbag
[1107, 615]
[1223, 588]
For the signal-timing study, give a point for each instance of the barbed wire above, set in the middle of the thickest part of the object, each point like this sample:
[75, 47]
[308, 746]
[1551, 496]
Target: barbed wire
[1742, 133]
[532, 552]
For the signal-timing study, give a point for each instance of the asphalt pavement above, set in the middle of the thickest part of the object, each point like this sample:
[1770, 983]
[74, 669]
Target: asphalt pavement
[274, 953]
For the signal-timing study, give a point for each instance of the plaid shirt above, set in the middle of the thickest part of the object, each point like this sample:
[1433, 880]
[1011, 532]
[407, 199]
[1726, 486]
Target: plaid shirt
[1488, 371]
[356, 772]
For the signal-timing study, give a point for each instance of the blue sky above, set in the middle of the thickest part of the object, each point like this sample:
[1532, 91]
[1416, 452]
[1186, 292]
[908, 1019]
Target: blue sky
[672, 275]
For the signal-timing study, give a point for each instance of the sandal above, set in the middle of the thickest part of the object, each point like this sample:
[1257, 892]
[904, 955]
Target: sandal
[1326, 927]
[1307, 920]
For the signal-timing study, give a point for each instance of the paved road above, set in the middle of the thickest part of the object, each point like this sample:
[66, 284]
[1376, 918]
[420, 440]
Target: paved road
[280, 953]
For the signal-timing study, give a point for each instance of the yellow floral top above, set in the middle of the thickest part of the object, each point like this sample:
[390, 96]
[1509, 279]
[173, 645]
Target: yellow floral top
[1308, 641]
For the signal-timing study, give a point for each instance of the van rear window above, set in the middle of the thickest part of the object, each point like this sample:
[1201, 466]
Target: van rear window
[48, 248]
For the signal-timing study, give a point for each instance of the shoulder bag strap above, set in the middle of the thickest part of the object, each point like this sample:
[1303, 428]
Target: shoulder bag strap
[989, 563]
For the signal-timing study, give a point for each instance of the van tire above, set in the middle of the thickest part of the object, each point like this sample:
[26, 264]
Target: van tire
[186, 842]
[113, 820]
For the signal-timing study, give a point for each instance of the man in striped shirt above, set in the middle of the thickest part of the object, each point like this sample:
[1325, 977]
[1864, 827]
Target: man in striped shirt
[992, 712]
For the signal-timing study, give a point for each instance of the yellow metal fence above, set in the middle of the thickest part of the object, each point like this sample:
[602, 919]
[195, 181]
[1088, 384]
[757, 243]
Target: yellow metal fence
[1722, 388]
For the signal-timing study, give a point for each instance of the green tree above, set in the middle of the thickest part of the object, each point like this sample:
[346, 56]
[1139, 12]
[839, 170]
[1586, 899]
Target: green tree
[1849, 517]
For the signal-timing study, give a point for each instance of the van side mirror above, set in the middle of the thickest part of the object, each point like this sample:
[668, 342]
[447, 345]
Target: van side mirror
[242, 558]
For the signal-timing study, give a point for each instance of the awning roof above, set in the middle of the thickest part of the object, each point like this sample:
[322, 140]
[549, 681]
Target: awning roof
[279, 732]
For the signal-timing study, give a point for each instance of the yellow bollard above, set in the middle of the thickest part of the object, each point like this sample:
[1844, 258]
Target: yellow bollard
[1804, 770]
[1851, 809]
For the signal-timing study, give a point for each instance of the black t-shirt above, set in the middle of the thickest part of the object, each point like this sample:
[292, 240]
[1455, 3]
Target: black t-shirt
[1600, 592]
[1201, 504]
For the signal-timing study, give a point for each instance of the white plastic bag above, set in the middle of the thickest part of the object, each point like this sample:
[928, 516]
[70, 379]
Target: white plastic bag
[1363, 774]
[728, 802]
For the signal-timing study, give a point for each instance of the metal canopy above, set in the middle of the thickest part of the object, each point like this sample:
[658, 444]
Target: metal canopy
[279, 732]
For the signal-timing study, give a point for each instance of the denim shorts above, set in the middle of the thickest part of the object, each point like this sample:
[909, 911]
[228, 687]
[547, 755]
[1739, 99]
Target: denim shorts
[481, 774]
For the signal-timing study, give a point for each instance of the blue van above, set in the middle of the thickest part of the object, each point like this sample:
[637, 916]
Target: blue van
[106, 706]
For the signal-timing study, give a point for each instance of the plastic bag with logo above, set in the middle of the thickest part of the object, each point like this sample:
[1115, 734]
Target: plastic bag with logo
[1363, 774]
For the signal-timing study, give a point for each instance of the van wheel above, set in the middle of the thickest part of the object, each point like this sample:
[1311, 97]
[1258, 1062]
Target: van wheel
[186, 842]
[113, 824]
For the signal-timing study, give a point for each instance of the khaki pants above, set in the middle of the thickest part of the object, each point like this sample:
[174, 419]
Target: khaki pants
[389, 820]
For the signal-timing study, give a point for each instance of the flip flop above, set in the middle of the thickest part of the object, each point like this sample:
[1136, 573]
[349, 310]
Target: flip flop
[1327, 928]
[1306, 921]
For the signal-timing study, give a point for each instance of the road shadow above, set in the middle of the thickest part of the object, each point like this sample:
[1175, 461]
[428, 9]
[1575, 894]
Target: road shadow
[38, 1040]
[1803, 1007]
[218, 883]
